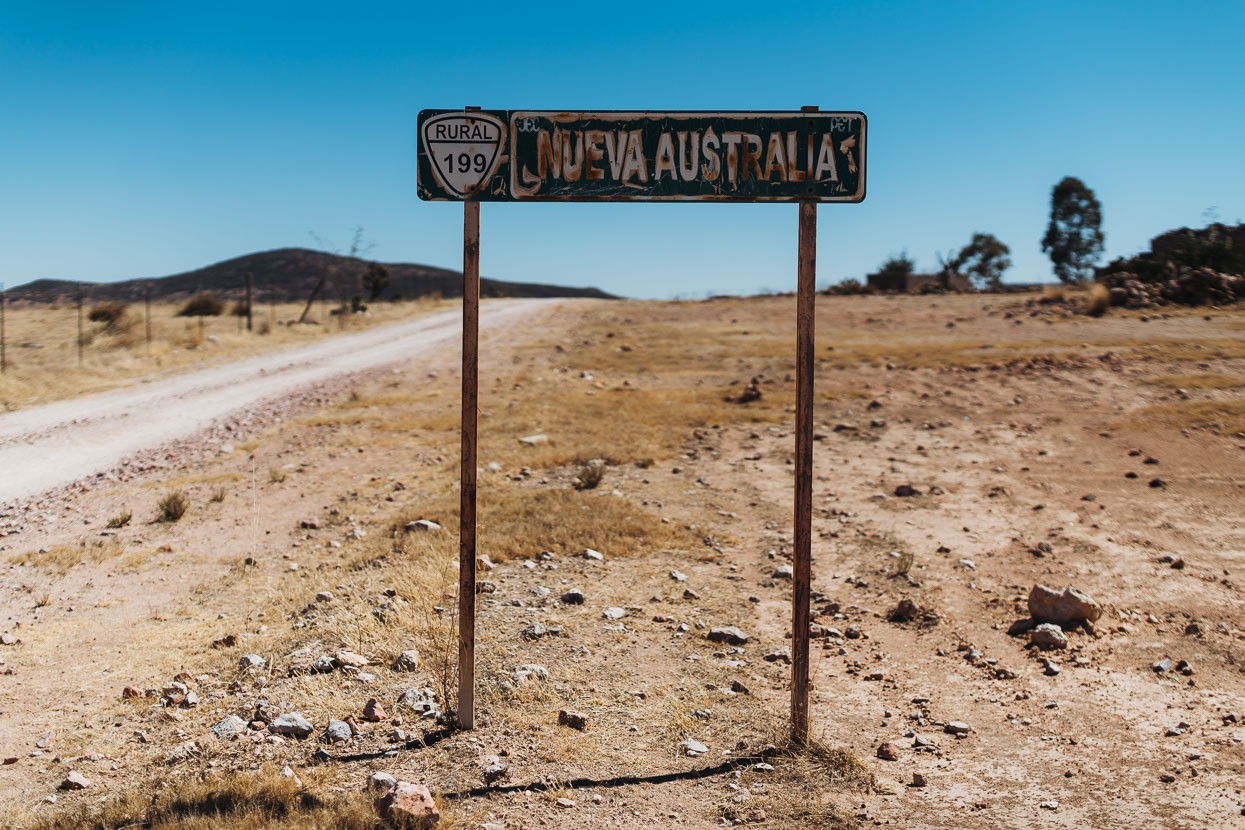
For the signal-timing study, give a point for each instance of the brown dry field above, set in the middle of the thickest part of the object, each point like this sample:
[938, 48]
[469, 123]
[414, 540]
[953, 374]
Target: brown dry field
[1018, 418]
[42, 343]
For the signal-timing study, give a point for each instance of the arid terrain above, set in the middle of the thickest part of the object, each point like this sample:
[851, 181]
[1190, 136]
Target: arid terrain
[968, 448]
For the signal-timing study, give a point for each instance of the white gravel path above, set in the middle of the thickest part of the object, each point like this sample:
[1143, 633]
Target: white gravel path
[48, 446]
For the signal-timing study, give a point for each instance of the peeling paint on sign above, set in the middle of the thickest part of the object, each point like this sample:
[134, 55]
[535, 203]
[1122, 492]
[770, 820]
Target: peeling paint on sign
[646, 156]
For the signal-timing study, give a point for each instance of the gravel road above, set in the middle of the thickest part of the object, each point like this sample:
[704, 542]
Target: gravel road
[48, 446]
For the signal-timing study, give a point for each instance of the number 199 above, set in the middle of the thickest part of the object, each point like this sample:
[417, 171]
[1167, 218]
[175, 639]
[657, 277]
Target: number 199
[465, 162]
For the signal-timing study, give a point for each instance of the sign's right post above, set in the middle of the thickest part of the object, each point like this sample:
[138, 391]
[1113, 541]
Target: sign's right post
[806, 293]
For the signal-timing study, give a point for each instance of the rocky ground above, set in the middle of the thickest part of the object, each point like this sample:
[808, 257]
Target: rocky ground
[632, 661]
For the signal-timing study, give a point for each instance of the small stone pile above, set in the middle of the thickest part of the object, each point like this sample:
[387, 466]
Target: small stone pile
[1200, 286]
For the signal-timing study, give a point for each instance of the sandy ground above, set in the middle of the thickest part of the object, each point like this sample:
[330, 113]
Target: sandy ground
[47, 446]
[1020, 472]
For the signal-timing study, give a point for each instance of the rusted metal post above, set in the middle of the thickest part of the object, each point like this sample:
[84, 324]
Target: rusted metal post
[467, 505]
[804, 324]
[147, 302]
[250, 321]
[79, 326]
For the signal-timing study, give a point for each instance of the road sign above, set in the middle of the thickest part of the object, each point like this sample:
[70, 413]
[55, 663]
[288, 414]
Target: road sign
[517, 155]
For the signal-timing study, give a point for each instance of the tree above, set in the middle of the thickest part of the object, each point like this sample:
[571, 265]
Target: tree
[375, 280]
[1074, 238]
[983, 260]
[898, 265]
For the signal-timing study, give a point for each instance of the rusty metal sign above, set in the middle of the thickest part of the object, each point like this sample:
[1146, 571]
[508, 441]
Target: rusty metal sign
[515, 155]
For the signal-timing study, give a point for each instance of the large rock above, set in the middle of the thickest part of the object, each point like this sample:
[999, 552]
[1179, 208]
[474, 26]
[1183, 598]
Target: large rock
[1067, 607]
[408, 805]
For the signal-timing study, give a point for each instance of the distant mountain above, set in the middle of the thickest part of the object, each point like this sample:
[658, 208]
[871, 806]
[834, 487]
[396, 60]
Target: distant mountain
[289, 275]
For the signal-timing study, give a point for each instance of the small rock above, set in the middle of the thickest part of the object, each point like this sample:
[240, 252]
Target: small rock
[905, 490]
[324, 596]
[1162, 666]
[338, 731]
[251, 662]
[888, 752]
[1049, 805]
[565, 803]
[693, 748]
[534, 440]
[678, 576]
[1048, 636]
[739, 688]
[495, 771]
[310, 524]
[381, 781]
[408, 805]
[784, 572]
[350, 658]
[373, 712]
[728, 634]
[782, 655]
[957, 727]
[228, 727]
[407, 661]
[595, 556]
[575, 720]
[292, 723]
[421, 525]
[74, 781]
[918, 780]
[573, 597]
[1067, 607]
[614, 613]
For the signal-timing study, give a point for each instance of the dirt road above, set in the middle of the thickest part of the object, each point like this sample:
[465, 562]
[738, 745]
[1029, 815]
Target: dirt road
[51, 445]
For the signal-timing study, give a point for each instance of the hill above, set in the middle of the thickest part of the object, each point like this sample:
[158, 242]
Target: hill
[289, 275]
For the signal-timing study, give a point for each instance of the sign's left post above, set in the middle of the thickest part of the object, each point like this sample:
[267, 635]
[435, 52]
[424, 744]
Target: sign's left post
[467, 504]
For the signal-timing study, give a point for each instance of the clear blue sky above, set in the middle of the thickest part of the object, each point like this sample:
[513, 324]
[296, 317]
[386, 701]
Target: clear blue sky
[142, 139]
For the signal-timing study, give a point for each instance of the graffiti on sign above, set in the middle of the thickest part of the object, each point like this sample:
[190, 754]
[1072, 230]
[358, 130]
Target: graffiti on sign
[645, 156]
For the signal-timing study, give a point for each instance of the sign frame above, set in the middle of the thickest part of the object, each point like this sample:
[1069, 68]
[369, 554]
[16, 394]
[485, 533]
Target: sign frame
[483, 189]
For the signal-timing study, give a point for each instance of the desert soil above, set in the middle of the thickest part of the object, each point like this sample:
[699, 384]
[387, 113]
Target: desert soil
[1017, 432]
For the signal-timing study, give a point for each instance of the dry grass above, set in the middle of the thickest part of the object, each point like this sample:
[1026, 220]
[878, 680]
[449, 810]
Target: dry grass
[59, 559]
[1224, 417]
[43, 358]
[520, 522]
[262, 800]
[1199, 381]
[172, 507]
[120, 520]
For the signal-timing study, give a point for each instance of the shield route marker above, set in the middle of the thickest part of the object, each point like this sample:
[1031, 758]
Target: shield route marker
[473, 155]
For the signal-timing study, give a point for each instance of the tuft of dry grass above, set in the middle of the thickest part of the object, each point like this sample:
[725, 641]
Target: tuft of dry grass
[276, 475]
[172, 506]
[590, 475]
[218, 495]
[120, 520]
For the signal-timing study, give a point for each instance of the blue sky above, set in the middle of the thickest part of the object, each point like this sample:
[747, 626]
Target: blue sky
[141, 139]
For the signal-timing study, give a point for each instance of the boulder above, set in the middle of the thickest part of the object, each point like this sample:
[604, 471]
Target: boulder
[1067, 607]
